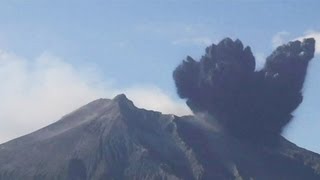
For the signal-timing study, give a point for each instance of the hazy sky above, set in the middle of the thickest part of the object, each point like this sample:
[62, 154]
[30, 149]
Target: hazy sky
[58, 55]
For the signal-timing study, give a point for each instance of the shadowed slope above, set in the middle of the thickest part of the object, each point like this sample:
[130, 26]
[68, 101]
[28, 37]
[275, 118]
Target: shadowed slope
[112, 139]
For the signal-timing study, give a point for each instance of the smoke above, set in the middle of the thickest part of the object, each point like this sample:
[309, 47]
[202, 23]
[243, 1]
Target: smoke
[251, 105]
[37, 91]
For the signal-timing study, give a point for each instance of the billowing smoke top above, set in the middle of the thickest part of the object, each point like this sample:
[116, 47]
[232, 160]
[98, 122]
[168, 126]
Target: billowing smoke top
[251, 105]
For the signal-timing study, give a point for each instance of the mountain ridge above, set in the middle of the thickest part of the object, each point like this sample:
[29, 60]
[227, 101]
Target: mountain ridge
[113, 139]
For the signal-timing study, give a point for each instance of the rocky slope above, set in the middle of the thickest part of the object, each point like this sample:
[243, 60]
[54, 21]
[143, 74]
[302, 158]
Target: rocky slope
[113, 139]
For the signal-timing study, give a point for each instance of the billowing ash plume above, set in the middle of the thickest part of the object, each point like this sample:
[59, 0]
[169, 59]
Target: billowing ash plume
[251, 105]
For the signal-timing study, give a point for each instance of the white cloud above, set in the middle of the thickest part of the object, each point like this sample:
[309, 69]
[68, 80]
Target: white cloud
[151, 97]
[198, 41]
[280, 38]
[260, 60]
[315, 35]
[35, 93]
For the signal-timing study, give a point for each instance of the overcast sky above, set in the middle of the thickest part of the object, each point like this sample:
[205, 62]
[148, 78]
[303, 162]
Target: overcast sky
[56, 56]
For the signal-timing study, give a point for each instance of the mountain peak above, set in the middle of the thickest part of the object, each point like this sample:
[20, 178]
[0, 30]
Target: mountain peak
[120, 97]
[123, 102]
[113, 139]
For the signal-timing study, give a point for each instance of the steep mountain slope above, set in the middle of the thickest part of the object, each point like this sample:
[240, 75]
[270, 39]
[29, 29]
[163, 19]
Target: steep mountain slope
[113, 139]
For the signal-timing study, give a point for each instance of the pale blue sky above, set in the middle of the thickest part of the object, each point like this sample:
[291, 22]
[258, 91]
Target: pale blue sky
[141, 42]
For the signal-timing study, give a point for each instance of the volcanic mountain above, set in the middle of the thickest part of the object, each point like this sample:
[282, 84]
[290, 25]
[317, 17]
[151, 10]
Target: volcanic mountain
[113, 139]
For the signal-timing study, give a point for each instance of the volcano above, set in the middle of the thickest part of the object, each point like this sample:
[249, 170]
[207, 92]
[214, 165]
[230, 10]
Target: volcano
[113, 139]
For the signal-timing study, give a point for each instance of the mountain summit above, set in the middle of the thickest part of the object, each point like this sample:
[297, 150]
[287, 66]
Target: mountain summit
[113, 139]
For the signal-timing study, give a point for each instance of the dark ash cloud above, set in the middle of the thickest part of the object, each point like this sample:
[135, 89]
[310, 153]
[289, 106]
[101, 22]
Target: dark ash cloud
[251, 105]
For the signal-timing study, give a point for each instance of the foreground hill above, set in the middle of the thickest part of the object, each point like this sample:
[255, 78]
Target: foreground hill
[113, 139]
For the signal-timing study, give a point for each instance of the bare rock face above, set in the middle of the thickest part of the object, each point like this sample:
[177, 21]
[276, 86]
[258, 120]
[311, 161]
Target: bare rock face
[251, 105]
[113, 139]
